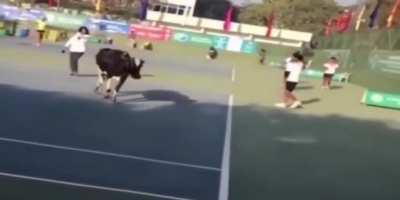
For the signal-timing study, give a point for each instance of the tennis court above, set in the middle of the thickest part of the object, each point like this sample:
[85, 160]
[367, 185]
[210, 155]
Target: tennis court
[161, 141]
[190, 129]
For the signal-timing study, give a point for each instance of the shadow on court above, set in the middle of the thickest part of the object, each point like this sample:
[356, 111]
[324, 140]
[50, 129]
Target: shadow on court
[311, 101]
[275, 154]
[183, 142]
[158, 95]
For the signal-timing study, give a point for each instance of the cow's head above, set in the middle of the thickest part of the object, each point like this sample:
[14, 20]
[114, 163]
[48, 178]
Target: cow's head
[136, 66]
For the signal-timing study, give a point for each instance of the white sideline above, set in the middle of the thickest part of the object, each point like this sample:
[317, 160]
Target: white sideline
[233, 75]
[103, 153]
[81, 185]
[224, 181]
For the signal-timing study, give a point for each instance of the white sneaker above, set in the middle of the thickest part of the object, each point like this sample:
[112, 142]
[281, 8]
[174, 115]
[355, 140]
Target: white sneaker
[296, 104]
[280, 105]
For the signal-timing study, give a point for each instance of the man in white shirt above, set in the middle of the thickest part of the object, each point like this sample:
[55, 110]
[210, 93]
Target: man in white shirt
[330, 69]
[294, 67]
[77, 47]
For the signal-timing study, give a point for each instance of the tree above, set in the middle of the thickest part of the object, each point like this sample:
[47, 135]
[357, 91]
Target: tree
[302, 15]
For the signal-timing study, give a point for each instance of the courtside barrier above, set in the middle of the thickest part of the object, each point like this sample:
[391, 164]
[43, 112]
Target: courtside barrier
[380, 99]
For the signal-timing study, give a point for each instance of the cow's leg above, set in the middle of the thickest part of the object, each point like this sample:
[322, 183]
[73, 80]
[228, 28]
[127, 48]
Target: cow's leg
[108, 87]
[120, 81]
[100, 80]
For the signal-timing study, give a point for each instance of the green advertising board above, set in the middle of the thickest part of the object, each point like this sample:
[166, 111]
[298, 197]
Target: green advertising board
[249, 47]
[385, 62]
[64, 21]
[380, 99]
[218, 42]
[312, 73]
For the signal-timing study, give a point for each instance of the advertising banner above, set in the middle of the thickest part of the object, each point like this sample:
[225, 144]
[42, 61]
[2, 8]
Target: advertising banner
[218, 42]
[12, 13]
[65, 21]
[385, 62]
[249, 47]
[107, 26]
[156, 33]
[380, 99]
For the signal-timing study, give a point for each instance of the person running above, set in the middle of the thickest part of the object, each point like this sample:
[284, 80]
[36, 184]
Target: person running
[296, 66]
[263, 54]
[212, 53]
[330, 68]
[41, 27]
[77, 47]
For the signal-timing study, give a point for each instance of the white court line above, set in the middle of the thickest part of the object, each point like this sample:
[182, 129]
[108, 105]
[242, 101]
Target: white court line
[103, 153]
[81, 185]
[224, 181]
[233, 75]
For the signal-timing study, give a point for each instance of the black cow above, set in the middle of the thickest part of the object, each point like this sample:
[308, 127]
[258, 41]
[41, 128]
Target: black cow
[118, 65]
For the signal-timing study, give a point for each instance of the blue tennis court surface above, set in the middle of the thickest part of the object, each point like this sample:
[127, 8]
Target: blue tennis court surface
[159, 142]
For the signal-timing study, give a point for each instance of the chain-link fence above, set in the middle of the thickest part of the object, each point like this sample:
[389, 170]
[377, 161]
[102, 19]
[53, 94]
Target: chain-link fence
[373, 58]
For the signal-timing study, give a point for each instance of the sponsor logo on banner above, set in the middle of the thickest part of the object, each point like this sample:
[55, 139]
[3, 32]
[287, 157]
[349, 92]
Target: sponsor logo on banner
[65, 21]
[385, 62]
[249, 47]
[14, 13]
[108, 26]
[235, 44]
[381, 99]
[182, 37]
[157, 33]
[200, 39]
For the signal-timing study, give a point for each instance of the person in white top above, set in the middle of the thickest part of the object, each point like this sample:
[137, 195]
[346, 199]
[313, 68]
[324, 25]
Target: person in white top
[295, 67]
[288, 66]
[330, 68]
[77, 47]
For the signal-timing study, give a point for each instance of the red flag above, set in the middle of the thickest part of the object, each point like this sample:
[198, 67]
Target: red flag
[52, 3]
[344, 21]
[270, 24]
[228, 19]
[394, 15]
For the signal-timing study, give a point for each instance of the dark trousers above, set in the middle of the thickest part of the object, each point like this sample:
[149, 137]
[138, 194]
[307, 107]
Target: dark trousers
[74, 60]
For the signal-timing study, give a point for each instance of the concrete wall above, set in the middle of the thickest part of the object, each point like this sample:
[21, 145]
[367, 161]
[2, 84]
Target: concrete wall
[217, 25]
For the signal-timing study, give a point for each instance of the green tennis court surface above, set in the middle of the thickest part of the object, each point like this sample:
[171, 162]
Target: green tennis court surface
[169, 135]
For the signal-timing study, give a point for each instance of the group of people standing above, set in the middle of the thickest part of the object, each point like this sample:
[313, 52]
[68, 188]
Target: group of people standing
[294, 66]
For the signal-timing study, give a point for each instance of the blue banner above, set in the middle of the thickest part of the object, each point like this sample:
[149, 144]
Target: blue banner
[107, 26]
[12, 13]
[31, 15]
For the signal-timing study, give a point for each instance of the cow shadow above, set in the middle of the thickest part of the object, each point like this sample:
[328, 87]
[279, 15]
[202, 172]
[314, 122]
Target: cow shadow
[336, 87]
[87, 75]
[306, 87]
[148, 75]
[156, 95]
[311, 101]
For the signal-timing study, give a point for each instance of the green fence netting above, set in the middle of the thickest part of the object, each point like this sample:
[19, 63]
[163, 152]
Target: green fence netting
[373, 58]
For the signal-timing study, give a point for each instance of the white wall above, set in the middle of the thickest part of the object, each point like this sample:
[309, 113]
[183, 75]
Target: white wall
[236, 28]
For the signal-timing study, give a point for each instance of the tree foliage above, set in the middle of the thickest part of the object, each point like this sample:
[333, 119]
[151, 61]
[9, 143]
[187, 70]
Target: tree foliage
[303, 15]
